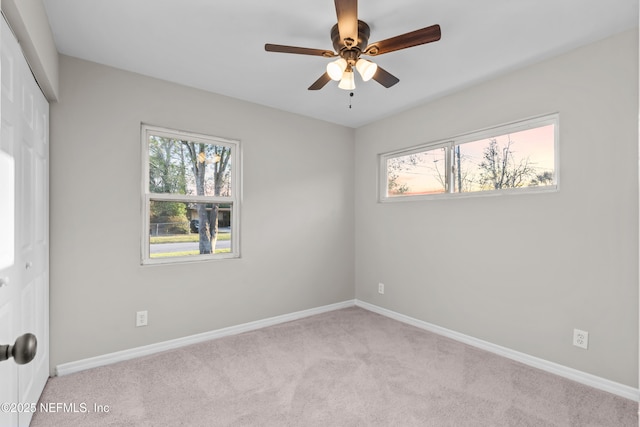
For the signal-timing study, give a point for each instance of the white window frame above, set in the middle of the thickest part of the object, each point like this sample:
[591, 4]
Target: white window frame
[234, 199]
[451, 143]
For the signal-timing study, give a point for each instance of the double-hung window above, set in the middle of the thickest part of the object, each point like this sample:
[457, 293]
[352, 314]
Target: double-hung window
[191, 196]
[517, 157]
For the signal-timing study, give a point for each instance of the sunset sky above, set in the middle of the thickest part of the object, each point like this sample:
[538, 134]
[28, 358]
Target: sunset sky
[426, 176]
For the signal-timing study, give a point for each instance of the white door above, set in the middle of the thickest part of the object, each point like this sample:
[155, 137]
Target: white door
[24, 257]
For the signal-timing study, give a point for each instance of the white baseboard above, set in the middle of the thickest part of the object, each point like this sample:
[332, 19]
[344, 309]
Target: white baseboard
[545, 365]
[119, 356]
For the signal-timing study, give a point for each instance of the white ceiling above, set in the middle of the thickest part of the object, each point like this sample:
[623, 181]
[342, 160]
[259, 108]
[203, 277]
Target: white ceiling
[218, 45]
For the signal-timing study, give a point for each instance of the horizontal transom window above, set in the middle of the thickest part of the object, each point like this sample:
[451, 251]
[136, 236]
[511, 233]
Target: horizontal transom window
[516, 157]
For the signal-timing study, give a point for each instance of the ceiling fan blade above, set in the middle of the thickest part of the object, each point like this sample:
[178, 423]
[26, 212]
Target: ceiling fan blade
[321, 82]
[385, 78]
[347, 11]
[299, 50]
[414, 38]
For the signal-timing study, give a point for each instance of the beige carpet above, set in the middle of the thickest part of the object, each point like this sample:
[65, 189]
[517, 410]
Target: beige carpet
[349, 367]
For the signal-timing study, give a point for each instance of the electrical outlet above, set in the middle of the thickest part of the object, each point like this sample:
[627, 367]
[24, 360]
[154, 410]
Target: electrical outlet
[142, 318]
[581, 338]
[381, 288]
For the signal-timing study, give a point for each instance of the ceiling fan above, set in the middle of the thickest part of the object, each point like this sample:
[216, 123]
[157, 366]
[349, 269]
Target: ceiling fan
[350, 37]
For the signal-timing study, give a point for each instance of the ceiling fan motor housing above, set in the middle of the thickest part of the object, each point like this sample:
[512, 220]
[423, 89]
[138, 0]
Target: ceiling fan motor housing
[347, 48]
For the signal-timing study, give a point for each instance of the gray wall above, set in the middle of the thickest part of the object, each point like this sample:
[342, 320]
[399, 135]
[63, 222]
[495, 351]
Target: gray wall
[297, 215]
[521, 271]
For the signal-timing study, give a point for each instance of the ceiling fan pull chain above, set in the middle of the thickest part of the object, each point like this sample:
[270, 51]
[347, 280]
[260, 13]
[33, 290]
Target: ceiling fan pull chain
[350, 96]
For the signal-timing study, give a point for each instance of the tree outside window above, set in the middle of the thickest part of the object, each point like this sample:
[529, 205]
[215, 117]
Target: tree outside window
[191, 186]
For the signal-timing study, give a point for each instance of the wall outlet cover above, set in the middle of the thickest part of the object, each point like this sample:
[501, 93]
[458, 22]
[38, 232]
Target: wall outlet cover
[142, 318]
[581, 338]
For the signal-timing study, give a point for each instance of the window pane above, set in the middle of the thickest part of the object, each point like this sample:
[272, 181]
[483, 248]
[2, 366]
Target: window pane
[417, 174]
[178, 229]
[519, 159]
[187, 167]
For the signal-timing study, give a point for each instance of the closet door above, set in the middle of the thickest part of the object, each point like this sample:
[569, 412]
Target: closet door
[24, 263]
[32, 200]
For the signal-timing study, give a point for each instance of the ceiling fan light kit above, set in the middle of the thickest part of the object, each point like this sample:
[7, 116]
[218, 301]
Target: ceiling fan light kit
[350, 38]
[336, 68]
[347, 82]
[367, 69]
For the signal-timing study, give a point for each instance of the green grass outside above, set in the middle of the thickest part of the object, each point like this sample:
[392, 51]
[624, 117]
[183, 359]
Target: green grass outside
[185, 253]
[182, 238]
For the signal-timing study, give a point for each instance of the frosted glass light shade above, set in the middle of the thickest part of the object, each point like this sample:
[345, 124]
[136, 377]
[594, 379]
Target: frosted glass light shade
[336, 68]
[348, 82]
[366, 69]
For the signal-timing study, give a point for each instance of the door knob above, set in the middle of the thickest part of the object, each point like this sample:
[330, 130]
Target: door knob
[4, 281]
[23, 350]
